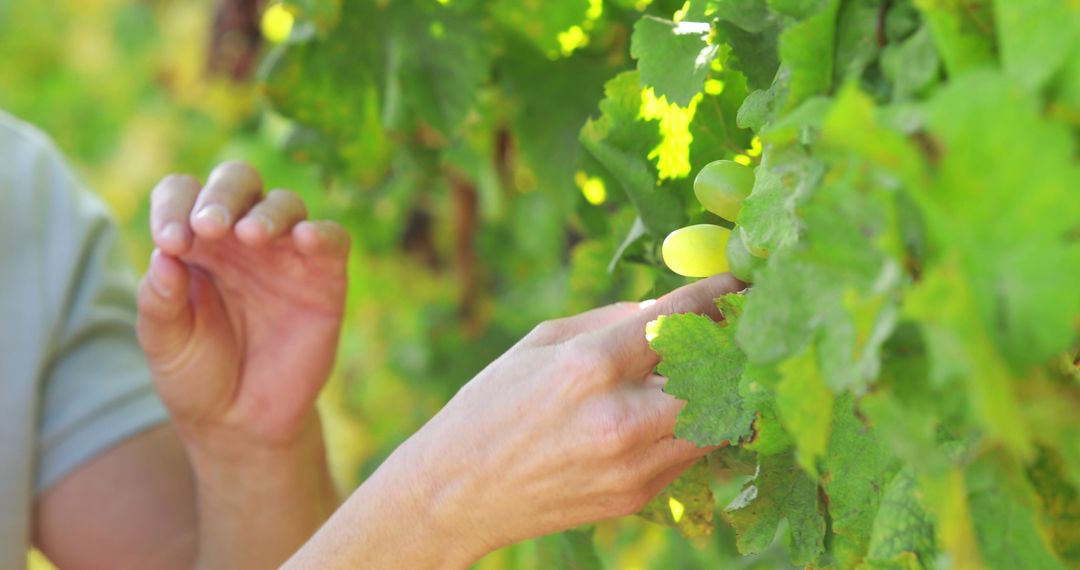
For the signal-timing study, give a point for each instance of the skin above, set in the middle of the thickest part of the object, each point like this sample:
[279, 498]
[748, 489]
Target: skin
[239, 316]
[568, 427]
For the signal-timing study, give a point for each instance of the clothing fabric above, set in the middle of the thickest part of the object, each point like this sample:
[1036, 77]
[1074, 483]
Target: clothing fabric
[73, 381]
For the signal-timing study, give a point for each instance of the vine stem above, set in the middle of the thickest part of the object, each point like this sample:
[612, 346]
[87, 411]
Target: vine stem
[881, 22]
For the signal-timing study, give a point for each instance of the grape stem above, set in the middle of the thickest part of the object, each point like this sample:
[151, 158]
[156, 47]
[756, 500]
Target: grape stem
[881, 22]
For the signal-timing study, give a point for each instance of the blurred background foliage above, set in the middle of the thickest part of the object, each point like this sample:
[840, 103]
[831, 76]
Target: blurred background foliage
[470, 226]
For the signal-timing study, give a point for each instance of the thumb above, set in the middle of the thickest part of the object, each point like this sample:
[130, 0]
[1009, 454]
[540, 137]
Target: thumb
[165, 317]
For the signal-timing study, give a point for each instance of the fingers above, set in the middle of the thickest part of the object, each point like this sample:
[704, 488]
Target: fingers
[165, 318]
[625, 341]
[271, 218]
[170, 208]
[321, 238]
[668, 476]
[231, 190]
[653, 411]
[232, 201]
[561, 330]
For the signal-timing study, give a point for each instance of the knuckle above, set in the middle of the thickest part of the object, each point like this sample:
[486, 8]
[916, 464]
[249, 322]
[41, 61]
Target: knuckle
[587, 362]
[544, 330]
[172, 184]
[239, 173]
[284, 195]
[289, 200]
[611, 434]
[234, 167]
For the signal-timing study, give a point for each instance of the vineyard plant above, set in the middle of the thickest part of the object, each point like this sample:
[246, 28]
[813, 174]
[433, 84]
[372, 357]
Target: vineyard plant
[896, 181]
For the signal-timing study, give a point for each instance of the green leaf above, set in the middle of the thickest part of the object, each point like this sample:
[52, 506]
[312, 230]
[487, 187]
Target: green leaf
[1036, 37]
[754, 54]
[1059, 503]
[768, 217]
[541, 22]
[1025, 302]
[854, 477]
[805, 404]
[798, 9]
[963, 32]
[703, 366]
[912, 65]
[960, 349]
[902, 525]
[324, 82]
[808, 50]
[436, 61]
[751, 15]
[856, 39]
[323, 14]
[1004, 508]
[673, 57]
[547, 115]
[621, 142]
[686, 504]
[780, 490]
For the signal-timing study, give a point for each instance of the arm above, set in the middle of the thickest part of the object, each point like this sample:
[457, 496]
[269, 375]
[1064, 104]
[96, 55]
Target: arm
[569, 427]
[83, 522]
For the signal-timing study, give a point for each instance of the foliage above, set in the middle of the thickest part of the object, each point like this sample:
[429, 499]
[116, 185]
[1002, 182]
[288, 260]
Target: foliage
[898, 386]
[896, 368]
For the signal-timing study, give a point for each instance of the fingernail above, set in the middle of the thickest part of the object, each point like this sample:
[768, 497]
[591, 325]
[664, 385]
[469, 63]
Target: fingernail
[265, 222]
[647, 303]
[215, 213]
[174, 232]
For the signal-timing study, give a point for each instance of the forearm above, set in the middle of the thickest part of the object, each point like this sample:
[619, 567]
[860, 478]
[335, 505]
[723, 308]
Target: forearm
[403, 516]
[257, 506]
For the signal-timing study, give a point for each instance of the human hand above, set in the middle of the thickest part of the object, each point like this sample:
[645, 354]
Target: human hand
[240, 310]
[568, 427]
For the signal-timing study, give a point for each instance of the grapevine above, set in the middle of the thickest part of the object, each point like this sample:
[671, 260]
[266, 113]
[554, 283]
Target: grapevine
[897, 178]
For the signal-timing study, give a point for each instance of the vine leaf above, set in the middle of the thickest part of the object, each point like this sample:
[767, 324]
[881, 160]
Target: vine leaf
[807, 50]
[673, 57]
[780, 490]
[902, 525]
[856, 471]
[1036, 38]
[1008, 525]
[621, 144]
[703, 366]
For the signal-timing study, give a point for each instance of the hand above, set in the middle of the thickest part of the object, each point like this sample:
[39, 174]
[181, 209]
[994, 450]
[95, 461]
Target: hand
[570, 426]
[239, 315]
[240, 310]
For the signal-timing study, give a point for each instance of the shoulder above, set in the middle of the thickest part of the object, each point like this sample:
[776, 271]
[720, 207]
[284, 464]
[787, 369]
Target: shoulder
[29, 157]
[36, 183]
[20, 140]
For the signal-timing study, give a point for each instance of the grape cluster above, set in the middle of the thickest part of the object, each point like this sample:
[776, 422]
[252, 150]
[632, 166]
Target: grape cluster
[706, 249]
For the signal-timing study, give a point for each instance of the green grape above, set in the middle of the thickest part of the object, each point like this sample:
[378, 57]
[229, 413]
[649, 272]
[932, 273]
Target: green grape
[742, 261]
[721, 187]
[697, 251]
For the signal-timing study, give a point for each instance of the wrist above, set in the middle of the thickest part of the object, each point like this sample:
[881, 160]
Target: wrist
[237, 465]
[408, 514]
[220, 446]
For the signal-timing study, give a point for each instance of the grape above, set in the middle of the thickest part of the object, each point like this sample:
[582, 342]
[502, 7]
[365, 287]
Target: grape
[721, 187]
[697, 251]
[743, 263]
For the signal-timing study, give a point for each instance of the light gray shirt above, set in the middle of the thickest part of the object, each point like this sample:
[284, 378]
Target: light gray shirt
[73, 381]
